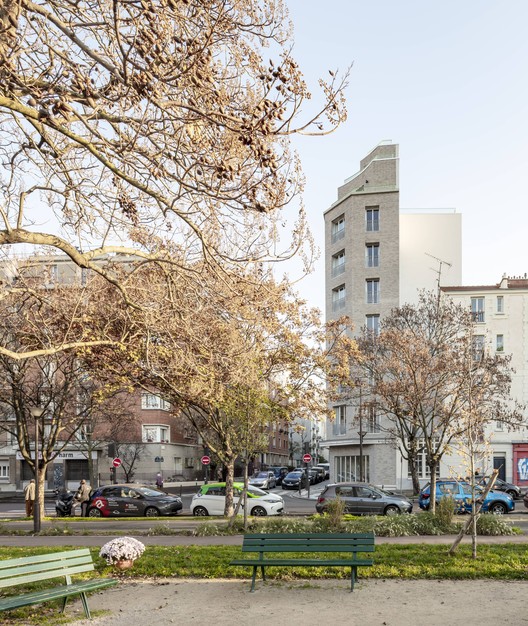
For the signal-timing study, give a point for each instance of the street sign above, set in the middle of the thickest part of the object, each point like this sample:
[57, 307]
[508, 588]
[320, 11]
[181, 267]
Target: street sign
[206, 460]
[307, 458]
[116, 462]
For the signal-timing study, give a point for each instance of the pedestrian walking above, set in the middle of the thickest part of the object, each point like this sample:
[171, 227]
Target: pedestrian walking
[81, 498]
[159, 481]
[29, 497]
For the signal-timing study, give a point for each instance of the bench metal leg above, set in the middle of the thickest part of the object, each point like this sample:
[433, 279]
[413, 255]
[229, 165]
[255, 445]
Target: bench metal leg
[353, 575]
[254, 576]
[64, 600]
[85, 605]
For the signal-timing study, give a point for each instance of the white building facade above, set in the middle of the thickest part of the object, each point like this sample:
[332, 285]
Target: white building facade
[500, 312]
[377, 258]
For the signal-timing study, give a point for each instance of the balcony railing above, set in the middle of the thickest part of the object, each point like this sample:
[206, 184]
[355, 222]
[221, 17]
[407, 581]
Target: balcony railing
[338, 234]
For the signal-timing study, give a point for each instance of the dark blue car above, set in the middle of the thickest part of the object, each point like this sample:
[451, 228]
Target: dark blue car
[496, 502]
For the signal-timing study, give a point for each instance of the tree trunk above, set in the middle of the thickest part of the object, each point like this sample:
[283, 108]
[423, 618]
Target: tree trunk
[230, 476]
[432, 488]
[41, 482]
[414, 475]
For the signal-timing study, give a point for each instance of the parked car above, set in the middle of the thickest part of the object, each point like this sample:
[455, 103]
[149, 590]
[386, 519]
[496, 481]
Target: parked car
[326, 467]
[363, 499]
[496, 502]
[295, 479]
[313, 476]
[210, 500]
[501, 485]
[280, 473]
[131, 500]
[264, 480]
[321, 473]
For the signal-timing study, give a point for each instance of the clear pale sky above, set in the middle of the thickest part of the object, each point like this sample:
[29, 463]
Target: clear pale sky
[447, 81]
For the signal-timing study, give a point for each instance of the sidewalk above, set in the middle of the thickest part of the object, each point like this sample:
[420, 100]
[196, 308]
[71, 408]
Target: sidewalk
[231, 540]
[309, 603]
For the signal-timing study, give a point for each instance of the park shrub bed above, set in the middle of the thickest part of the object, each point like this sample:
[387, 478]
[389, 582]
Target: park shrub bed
[393, 526]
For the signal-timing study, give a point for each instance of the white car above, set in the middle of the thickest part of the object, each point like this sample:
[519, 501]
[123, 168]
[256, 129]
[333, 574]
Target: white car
[264, 480]
[210, 500]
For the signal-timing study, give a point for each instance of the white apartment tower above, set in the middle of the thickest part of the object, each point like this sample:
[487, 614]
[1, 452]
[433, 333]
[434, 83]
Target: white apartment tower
[378, 257]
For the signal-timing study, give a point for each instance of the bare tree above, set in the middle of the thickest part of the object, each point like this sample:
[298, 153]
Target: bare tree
[205, 346]
[156, 129]
[421, 382]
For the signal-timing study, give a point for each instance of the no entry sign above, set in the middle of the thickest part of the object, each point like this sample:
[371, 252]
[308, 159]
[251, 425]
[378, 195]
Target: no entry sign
[116, 462]
[206, 460]
[307, 458]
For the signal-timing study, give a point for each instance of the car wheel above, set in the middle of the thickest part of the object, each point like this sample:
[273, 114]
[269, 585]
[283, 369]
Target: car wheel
[94, 513]
[512, 493]
[391, 510]
[151, 511]
[259, 511]
[200, 511]
[498, 508]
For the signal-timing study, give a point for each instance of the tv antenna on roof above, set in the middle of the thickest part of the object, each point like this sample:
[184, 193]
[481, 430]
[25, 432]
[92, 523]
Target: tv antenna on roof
[438, 271]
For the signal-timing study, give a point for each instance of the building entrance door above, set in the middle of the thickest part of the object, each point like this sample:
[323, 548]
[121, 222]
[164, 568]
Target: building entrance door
[499, 463]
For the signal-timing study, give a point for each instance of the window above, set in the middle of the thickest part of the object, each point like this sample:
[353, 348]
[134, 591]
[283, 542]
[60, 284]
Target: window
[477, 310]
[370, 422]
[338, 298]
[338, 229]
[500, 304]
[152, 401]
[338, 263]
[372, 323]
[372, 219]
[499, 425]
[155, 433]
[347, 468]
[372, 255]
[189, 462]
[372, 288]
[76, 469]
[499, 346]
[4, 470]
[422, 468]
[478, 347]
[340, 420]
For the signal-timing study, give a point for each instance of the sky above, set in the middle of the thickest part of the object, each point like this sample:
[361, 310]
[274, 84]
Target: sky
[448, 82]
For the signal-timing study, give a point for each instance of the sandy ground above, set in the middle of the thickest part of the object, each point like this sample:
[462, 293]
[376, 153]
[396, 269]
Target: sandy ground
[307, 603]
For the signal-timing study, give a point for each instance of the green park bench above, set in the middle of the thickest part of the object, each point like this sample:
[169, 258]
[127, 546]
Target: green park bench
[43, 567]
[324, 543]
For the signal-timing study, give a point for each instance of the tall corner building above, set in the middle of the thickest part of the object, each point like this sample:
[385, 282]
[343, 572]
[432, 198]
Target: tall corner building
[377, 257]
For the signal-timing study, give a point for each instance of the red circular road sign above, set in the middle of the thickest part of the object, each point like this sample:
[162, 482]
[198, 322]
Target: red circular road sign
[307, 458]
[116, 462]
[206, 460]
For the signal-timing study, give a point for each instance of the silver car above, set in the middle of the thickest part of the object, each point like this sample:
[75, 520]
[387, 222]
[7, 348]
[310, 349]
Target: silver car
[264, 480]
[364, 499]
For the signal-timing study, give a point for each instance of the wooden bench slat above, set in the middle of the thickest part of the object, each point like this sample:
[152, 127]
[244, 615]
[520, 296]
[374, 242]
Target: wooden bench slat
[304, 562]
[31, 578]
[55, 593]
[308, 548]
[43, 558]
[56, 568]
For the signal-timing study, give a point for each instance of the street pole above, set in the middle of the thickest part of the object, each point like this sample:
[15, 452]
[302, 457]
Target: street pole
[36, 413]
[360, 433]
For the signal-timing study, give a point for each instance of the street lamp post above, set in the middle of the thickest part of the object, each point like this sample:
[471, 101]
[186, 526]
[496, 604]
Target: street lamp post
[361, 434]
[36, 413]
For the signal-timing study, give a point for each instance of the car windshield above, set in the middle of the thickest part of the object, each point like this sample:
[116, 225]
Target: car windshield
[150, 493]
[261, 475]
[255, 492]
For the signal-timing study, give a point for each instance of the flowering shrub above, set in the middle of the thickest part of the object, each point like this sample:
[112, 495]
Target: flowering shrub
[121, 549]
